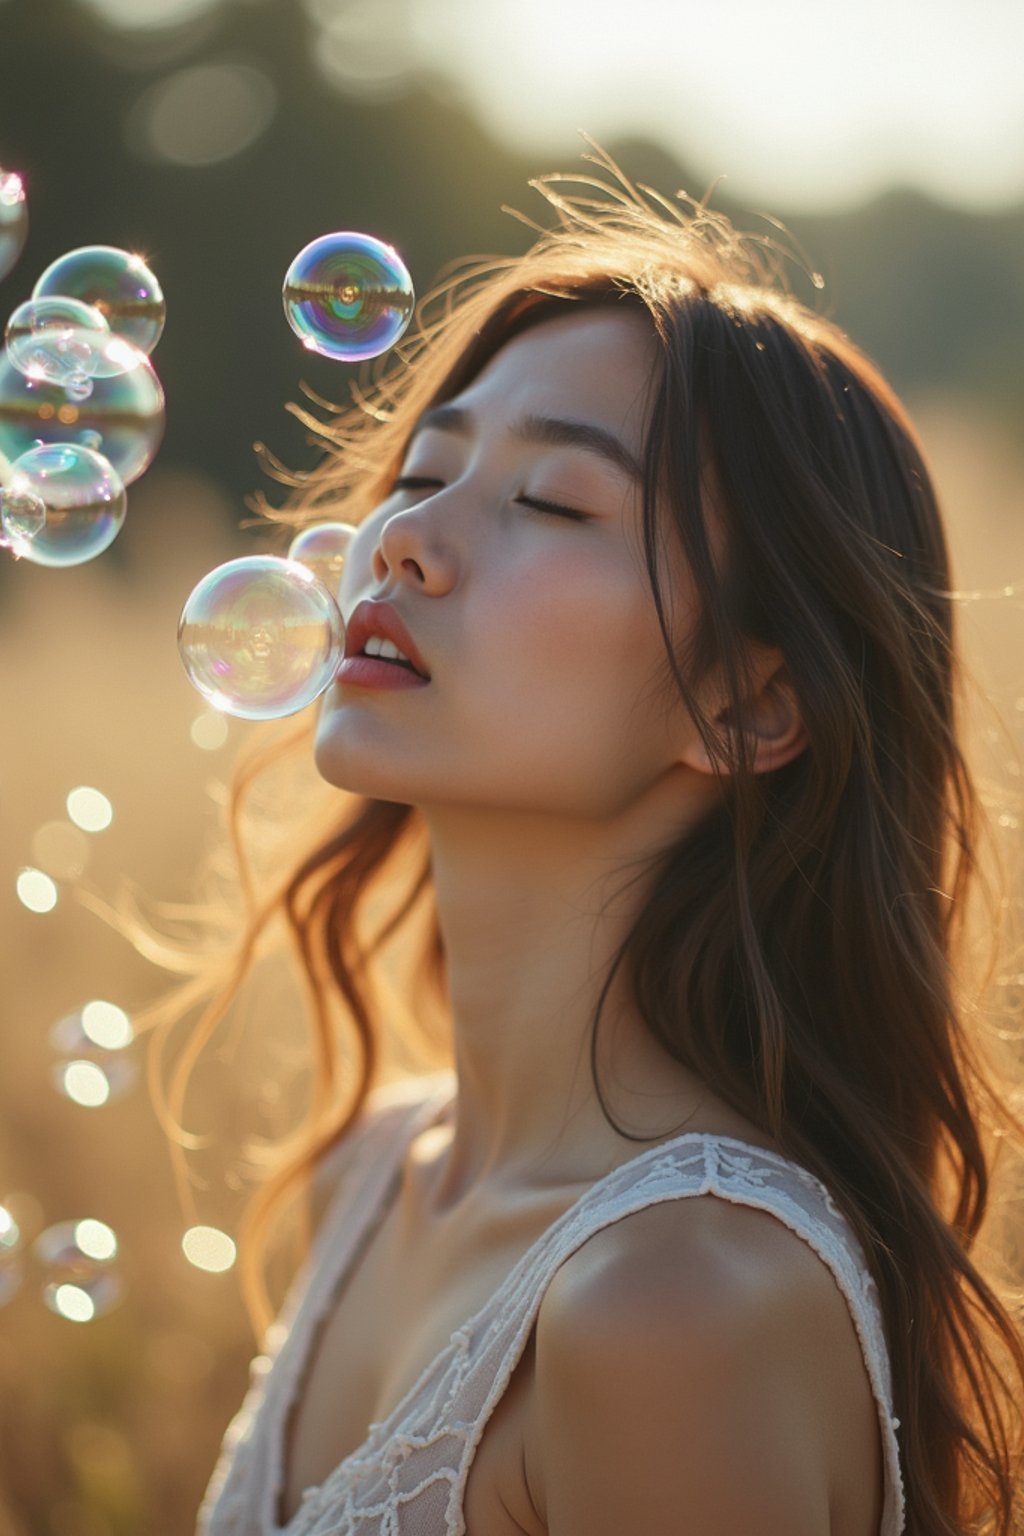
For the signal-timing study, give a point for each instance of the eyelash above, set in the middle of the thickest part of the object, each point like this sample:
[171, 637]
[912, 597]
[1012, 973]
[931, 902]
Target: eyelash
[533, 503]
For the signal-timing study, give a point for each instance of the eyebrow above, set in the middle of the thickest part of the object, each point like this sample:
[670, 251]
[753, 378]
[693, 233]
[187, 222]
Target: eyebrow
[541, 429]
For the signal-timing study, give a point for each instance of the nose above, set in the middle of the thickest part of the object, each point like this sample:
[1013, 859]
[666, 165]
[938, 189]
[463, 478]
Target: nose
[411, 544]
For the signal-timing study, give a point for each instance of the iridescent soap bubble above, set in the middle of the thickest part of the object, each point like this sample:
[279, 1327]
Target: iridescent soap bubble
[81, 1280]
[10, 1255]
[261, 637]
[84, 498]
[125, 415]
[22, 517]
[322, 549]
[93, 1068]
[13, 219]
[56, 341]
[348, 296]
[118, 283]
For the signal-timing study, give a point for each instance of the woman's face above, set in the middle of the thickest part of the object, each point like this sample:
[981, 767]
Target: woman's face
[537, 625]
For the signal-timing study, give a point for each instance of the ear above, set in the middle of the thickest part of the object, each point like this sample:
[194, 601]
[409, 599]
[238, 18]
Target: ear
[771, 722]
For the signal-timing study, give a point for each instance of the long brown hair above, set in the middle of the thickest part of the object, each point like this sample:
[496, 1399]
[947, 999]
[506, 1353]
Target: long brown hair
[804, 949]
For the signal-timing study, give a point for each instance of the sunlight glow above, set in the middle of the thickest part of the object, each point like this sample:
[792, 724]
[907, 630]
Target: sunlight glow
[796, 102]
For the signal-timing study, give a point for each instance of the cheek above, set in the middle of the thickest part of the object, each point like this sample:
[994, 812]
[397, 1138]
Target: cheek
[574, 632]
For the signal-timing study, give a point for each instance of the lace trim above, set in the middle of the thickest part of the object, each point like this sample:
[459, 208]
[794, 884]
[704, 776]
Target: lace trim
[427, 1443]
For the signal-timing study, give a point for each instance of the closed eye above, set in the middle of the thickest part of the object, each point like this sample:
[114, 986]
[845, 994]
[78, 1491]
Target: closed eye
[534, 503]
[555, 508]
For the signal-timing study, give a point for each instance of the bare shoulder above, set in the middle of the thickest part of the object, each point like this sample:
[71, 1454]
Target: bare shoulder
[681, 1344]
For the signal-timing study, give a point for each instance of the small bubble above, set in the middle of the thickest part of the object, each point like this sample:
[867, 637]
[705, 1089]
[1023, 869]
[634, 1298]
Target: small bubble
[84, 499]
[348, 296]
[56, 340]
[93, 1066]
[118, 283]
[79, 1284]
[322, 549]
[22, 517]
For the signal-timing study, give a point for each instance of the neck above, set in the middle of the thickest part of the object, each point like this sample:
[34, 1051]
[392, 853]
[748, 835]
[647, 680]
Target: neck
[532, 912]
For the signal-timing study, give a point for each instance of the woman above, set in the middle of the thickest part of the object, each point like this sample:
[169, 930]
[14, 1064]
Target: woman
[667, 743]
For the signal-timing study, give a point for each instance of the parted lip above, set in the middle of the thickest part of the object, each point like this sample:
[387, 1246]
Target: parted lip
[376, 618]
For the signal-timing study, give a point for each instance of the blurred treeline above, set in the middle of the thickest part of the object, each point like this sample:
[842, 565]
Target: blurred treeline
[110, 1428]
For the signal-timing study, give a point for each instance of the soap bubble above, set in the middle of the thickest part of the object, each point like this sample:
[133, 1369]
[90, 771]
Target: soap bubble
[10, 1255]
[56, 340]
[348, 296]
[118, 283]
[84, 499]
[13, 219]
[322, 549]
[78, 1258]
[261, 637]
[93, 1068]
[22, 517]
[126, 413]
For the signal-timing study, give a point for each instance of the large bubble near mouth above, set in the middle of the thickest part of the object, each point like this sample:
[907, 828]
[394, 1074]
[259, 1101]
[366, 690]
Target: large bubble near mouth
[123, 416]
[348, 296]
[261, 637]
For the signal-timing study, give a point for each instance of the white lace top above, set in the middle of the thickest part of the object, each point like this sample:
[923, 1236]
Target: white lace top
[409, 1476]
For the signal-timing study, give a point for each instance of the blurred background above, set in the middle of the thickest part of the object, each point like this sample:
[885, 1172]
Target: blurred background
[218, 137]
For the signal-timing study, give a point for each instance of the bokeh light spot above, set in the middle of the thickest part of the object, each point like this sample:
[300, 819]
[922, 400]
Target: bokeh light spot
[203, 114]
[60, 849]
[36, 891]
[209, 731]
[107, 1025]
[85, 1082]
[72, 1302]
[89, 809]
[208, 1248]
[95, 1238]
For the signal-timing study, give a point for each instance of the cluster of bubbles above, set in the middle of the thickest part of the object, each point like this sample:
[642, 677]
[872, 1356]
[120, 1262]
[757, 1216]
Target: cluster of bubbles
[81, 409]
[261, 637]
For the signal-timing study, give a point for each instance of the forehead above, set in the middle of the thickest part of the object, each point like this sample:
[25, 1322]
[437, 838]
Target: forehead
[596, 366]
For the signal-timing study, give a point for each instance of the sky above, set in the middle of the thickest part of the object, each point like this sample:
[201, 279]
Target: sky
[806, 104]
